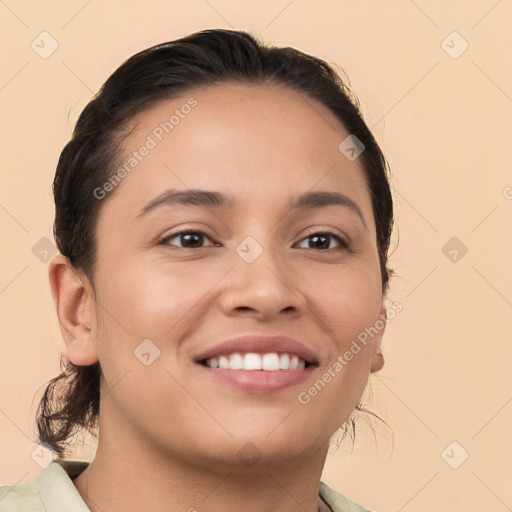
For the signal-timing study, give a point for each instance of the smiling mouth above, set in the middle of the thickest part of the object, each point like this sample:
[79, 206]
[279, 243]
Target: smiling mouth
[269, 362]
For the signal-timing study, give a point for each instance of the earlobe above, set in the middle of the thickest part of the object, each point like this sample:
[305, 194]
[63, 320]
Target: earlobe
[377, 360]
[377, 356]
[75, 310]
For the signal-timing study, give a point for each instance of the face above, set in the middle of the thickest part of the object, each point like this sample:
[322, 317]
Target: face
[186, 275]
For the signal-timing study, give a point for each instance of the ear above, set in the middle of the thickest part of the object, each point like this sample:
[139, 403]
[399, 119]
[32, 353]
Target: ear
[377, 356]
[74, 302]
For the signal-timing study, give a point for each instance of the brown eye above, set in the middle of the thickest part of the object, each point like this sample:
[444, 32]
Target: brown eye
[187, 239]
[323, 240]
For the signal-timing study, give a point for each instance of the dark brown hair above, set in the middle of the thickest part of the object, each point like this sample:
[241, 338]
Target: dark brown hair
[71, 400]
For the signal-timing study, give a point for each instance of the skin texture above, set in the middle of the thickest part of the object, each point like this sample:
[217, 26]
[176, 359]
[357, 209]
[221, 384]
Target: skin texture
[169, 433]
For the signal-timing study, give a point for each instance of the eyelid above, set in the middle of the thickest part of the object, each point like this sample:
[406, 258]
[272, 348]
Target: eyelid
[165, 238]
[327, 230]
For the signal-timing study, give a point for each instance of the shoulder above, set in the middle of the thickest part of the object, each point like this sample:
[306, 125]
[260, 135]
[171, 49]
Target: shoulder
[337, 501]
[23, 496]
[51, 491]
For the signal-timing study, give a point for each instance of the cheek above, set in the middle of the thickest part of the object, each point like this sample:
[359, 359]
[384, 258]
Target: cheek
[347, 306]
[154, 301]
[348, 300]
[154, 297]
[137, 304]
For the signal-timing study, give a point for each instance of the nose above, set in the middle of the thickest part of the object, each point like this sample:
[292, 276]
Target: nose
[262, 289]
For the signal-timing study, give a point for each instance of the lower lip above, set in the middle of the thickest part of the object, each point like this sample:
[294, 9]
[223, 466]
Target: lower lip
[260, 381]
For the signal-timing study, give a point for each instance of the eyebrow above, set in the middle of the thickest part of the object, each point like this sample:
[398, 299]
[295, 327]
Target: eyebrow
[217, 200]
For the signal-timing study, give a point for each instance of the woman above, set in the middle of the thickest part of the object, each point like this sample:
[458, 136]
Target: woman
[223, 215]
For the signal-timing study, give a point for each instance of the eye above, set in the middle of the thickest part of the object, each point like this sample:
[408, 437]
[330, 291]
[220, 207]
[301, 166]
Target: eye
[196, 240]
[189, 239]
[322, 240]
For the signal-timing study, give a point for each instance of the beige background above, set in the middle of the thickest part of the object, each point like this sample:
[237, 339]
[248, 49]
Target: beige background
[445, 125]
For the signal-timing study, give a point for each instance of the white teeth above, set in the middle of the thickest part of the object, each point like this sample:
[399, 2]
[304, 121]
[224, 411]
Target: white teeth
[270, 362]
[236, 362]
[252, 361]
[284, 362]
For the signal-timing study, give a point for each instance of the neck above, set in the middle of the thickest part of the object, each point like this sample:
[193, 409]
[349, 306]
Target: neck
[131, 476]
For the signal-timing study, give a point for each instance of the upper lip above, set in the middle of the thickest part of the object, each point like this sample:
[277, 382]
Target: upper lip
[259, 344]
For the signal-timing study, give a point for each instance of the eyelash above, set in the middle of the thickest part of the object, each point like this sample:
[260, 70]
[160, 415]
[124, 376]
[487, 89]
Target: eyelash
[344, 245]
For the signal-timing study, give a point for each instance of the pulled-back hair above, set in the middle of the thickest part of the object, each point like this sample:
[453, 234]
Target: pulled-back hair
[71, 400]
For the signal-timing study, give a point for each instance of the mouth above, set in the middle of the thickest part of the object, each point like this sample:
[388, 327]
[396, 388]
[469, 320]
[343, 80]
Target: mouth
[259, 364]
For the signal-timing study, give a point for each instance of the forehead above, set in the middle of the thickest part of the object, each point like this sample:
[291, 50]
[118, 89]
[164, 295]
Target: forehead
[249, 141]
